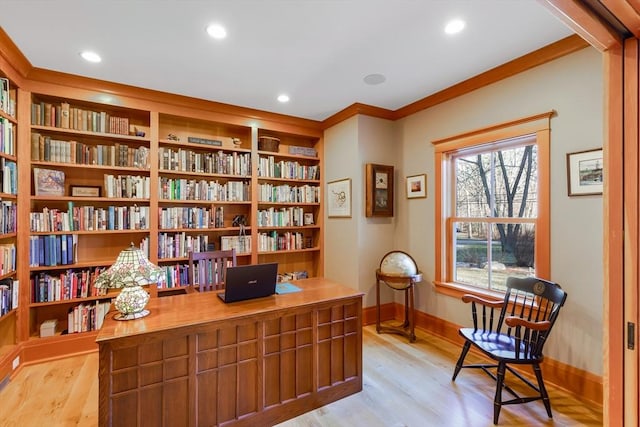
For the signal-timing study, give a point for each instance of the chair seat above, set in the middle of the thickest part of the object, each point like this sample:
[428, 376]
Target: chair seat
[497, 346]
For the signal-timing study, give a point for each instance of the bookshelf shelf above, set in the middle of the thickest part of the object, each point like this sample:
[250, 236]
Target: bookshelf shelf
[88, 232]
[208, 229]
[203, 174]
[9, 117]
[100, 135]
[77, 265]
[4, 236]
[292, 227]
[289, 156]
[8, 156]
[94, 168]
[289, 251]
[8, 315]
[71, 301]
[60, 338]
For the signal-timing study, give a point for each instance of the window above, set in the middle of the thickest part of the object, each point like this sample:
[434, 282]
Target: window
[492, 206]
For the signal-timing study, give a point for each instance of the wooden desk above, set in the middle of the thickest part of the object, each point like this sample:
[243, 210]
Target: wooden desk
[195, 361]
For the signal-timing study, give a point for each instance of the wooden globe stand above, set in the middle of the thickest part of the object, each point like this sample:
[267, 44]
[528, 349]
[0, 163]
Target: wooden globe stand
[406, 284]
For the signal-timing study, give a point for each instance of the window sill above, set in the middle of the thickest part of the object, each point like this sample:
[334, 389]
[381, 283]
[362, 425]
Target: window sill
[457, 290]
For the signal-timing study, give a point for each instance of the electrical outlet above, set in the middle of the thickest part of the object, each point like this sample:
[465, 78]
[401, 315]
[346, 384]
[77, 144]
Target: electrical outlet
[16, 362]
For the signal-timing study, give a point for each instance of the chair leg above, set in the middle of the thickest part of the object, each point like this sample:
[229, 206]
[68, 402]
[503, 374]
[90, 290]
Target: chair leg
[463, 354]
[497, 401]
[543, 390]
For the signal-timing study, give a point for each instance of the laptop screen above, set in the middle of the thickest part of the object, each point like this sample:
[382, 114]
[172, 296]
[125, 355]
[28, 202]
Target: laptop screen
[250, 281]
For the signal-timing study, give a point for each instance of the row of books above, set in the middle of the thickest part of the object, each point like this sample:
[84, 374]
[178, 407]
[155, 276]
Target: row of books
[8, 176]
[175, 275]
[67, 285]
[126, 186]
[190, 161]
[270, 168]
[242, 244]
[53, 250]
[90, 218]
[7, 137]
[288, 193]
[178, 245]
[191, 189]
[8, 295]
[7, 258]
[46, 149]
[67, 117]
[274, 241]
[7, 97]
[190, 217]
[283, 217]
[86, 317]
[8, 212]
[210, 269]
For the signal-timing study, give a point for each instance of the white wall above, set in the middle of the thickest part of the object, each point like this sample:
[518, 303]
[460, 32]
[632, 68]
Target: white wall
[572, 86]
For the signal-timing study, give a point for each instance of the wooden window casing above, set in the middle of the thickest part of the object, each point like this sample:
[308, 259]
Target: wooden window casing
[539, 127]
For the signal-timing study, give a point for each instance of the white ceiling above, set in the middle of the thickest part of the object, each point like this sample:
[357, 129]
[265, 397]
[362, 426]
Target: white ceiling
[316, 51]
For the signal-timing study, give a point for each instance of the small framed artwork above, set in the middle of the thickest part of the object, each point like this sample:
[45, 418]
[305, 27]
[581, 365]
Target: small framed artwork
[339, 198]
[417, 186]
[85, 191]
[379, 198]
[585, 172]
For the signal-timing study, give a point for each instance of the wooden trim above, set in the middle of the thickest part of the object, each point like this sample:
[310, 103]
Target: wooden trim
[613, 246]
[57, 347]
[247, 116]
[6, 363]
[526, 62]
[498, 131]
[625, 13]
[631, 205]
[358, 108]
[387, 312]
[585, 22]
[577, 381]
[538, 124]
[13, 58]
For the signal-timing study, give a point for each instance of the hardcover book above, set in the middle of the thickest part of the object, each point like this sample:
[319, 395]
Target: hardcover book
[48, 182]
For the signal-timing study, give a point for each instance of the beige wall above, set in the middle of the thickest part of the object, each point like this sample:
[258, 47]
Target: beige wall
[358, 243]
[572, 86]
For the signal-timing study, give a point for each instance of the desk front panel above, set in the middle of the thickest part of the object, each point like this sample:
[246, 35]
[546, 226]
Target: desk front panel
[263, 369]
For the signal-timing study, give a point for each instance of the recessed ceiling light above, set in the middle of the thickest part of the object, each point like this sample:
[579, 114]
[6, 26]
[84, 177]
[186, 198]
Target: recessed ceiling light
[374, 79]
[283, 98]
[454, 26]
[217, 31]
[90, 56]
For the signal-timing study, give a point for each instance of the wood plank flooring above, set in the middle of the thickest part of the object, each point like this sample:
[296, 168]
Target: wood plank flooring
[404, 385]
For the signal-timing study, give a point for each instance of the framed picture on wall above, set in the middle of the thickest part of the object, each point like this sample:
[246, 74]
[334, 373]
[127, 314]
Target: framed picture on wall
[417, 186]
[585, 172]
[339, 198]
[379, 191]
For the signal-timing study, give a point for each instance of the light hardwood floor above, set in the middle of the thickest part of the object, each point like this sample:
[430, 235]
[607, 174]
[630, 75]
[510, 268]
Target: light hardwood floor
[404, 385]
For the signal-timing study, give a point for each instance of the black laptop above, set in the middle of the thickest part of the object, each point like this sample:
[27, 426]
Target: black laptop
[249, 281]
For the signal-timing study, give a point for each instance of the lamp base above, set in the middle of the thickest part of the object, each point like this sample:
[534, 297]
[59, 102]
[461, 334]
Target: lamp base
[131, 316]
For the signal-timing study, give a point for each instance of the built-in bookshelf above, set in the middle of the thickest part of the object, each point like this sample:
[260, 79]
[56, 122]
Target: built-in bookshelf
[97, 177]
[204, 191]
[288, 209]
[9, 284]
[90, 198]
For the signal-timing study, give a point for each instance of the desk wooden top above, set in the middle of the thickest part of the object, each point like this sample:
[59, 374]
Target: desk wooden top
[197, 308]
